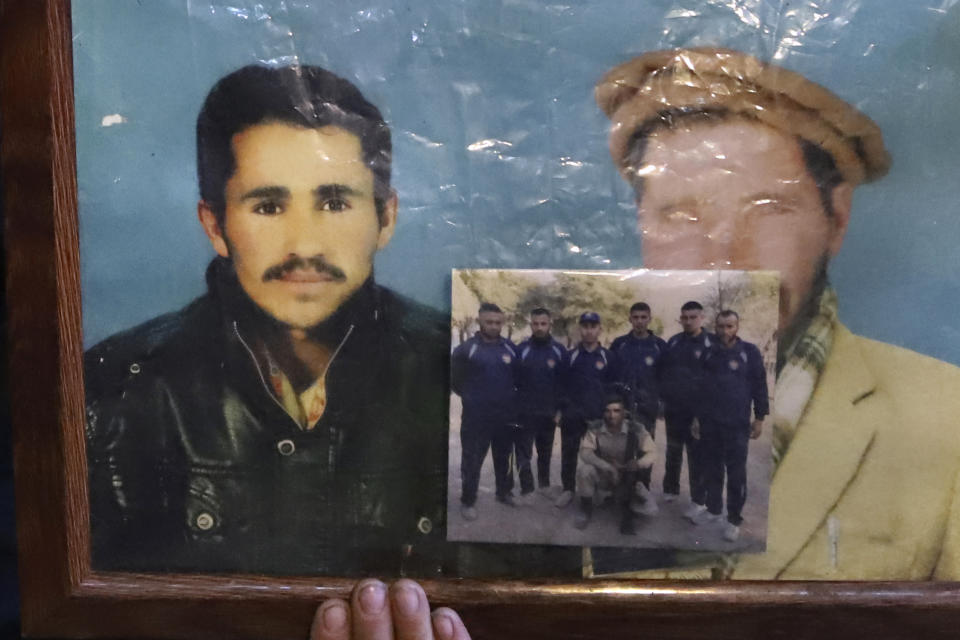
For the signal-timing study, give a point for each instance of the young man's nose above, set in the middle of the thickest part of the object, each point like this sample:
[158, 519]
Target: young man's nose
[305, 232]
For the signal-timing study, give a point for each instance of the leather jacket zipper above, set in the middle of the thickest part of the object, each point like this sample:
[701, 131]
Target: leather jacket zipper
[266, 388]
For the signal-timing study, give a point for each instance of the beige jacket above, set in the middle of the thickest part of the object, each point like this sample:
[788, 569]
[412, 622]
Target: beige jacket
[868, 489]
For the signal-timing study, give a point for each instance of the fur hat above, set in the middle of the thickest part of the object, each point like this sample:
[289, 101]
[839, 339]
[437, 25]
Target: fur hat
[638, 91]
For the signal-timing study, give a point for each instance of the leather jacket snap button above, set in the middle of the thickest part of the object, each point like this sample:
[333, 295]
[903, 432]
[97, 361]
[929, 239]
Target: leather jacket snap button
[286, 447]
[135, 368]
[204, 521]
[424, 525]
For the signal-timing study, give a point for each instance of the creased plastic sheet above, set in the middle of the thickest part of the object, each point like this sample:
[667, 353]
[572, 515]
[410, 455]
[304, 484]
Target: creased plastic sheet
[501, 160]
[501, 155]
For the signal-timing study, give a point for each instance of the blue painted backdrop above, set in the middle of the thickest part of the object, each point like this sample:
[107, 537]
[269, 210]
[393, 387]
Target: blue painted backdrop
[501, 153]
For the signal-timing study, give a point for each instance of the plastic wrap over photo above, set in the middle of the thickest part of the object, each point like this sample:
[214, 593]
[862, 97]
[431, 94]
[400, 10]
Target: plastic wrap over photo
[619, 408]
[272, 196]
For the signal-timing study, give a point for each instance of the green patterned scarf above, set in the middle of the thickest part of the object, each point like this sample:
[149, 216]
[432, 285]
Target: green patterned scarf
[803, 362]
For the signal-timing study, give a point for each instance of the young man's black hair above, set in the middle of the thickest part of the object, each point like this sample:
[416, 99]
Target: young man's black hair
[691, 305]
[640, 306]
[614, 398]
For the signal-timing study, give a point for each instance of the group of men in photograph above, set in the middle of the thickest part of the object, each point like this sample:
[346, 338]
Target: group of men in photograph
[606, 403]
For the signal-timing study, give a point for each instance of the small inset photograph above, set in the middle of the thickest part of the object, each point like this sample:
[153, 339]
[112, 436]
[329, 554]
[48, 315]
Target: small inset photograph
[612, 408]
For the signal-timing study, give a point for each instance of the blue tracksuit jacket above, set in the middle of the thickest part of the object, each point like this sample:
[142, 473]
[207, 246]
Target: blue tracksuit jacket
[638, 365]
[681, 369]
[541, 370]
[484, 374]
[734, 378]
[589, 376]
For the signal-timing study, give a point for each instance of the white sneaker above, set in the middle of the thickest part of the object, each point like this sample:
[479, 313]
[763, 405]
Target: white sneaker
[670, 497]
[469, 513]
[564, 499]
[693, 512]
[731, 532]
[524, 499]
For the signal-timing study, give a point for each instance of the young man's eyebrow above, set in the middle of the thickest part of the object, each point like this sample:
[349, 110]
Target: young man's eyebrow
[334, 190]
[274, 192]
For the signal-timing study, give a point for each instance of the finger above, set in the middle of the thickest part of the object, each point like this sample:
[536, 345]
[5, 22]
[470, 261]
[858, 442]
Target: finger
[447, 625]
[411, 613]
[331, 621]
[370, 611]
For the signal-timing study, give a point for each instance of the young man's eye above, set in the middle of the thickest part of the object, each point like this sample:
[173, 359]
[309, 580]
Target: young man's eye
[335, 204]
[268, 208]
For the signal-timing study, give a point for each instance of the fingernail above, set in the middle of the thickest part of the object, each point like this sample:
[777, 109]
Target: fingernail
[443, 626]
[407, 599]
[335, 617]
[372, 598]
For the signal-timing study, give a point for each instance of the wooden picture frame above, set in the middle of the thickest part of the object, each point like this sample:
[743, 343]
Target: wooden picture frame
[62, 596]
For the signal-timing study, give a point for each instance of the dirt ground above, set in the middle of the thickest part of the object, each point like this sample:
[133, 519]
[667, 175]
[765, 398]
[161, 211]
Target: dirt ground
[543, 523]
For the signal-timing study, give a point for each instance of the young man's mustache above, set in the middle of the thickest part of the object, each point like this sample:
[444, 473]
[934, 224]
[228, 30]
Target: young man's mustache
[295, 263]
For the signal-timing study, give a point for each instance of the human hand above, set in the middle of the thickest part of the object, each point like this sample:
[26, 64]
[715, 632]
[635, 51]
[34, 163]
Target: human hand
[695, 429]
[756, 429]
[613, 473]
[378, 613]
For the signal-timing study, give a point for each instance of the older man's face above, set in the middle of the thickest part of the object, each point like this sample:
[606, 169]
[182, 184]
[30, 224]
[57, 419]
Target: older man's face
[737, 195]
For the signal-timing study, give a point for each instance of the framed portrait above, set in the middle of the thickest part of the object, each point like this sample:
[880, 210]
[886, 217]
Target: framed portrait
[231, 229]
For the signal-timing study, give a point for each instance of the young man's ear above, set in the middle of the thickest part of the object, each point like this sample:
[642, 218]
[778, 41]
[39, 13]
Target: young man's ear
[388, 220]
[211, 226]
[842, 200]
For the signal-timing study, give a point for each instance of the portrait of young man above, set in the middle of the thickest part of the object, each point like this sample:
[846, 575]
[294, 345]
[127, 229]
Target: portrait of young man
[246, 431]
[293, 418]
[737, 163]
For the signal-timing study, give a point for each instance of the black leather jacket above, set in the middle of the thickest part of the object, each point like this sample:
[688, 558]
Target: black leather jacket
[194, 465]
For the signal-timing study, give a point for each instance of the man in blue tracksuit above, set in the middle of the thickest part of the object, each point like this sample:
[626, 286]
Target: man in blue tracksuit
[734, 380]
[681, 373]
[589, 374]
[638, 354]
[540, 375]
[483, 373]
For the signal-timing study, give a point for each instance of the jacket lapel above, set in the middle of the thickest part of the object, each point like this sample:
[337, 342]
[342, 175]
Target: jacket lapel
[824, 456]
